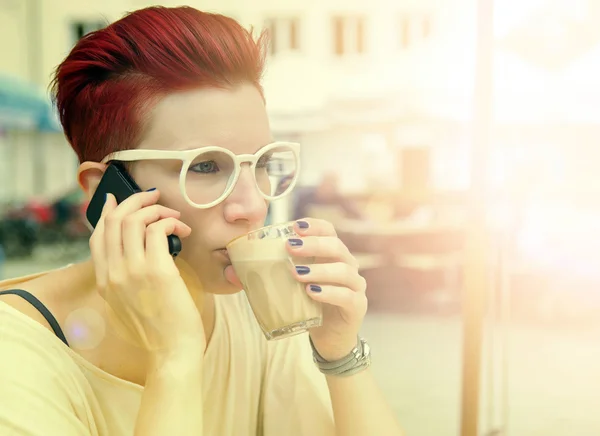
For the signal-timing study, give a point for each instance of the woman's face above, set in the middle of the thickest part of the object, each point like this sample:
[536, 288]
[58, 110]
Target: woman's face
[234, 119]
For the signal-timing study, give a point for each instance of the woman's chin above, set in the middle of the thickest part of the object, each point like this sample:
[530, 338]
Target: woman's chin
[230, 283]
[226, 289]
[222, 287]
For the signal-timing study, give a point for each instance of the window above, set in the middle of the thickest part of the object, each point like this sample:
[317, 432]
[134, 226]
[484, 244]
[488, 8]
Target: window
[405, 32]
[294, 34]
[81, 28]
[360, 36]
[338, 35]
[349, 35]
[425, 27]
[413, 29]
[284, 34]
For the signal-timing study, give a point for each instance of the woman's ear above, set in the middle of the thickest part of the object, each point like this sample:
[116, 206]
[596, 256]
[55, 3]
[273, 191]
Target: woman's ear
[89, 176]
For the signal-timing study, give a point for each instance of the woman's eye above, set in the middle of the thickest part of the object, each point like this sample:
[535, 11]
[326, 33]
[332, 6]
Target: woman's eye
[209, 166]
[263, 162]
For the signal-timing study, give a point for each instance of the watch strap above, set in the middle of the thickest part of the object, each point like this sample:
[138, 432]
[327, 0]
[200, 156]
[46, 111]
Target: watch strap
[354, 362]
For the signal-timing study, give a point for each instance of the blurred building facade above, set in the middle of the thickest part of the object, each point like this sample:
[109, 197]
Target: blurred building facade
[349, 80]
[357, 83]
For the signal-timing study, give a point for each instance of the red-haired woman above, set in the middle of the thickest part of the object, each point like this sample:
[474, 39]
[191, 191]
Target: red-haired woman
[128, 342]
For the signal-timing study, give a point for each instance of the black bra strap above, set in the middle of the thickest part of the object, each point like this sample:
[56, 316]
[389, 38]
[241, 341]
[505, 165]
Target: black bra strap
[42, 309]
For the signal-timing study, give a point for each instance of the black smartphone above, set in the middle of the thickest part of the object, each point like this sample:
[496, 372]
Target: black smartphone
[117, 181]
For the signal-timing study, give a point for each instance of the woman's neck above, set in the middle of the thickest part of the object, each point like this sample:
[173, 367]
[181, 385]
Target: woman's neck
[77, 293]
[84, 276]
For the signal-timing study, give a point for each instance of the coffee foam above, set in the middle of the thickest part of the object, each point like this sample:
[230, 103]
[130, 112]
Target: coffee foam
[254, 249]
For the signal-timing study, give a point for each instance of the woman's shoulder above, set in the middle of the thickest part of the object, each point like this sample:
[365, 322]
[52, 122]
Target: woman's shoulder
[38, 373]
[30, 353]
[26, 314]
[16, 309]
[49, 288]
[23, 326]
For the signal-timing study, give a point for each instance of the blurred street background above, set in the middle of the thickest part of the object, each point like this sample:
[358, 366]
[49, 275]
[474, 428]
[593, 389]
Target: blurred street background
[383, 97]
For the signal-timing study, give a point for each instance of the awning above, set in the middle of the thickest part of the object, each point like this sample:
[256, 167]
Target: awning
[24, 106]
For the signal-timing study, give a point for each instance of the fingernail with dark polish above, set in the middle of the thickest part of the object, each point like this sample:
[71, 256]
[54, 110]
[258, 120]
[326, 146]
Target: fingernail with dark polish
[295, 242]
[302, 270]
[315, 288]
[302, 224]
[151, 189]
[105, 197]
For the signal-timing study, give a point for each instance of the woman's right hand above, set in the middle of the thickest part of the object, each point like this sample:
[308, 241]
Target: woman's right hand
[147, 300]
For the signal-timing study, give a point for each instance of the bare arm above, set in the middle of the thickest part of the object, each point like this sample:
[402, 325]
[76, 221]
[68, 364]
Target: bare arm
[359, 407]
[132, 264]
[172, 399]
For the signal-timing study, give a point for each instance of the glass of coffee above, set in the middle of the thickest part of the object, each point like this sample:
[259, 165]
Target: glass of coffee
[264, 266]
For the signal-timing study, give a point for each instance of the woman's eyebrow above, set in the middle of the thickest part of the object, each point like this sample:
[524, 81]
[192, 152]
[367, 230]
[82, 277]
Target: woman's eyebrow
[188, 145]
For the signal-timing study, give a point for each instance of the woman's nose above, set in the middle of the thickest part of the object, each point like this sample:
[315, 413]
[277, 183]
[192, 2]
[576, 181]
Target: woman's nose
[245, 201]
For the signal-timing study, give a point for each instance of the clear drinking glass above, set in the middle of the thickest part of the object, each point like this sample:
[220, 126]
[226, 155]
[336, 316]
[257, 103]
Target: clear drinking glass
[264, 266]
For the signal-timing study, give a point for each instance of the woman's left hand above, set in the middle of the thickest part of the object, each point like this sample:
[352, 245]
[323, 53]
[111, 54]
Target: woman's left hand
[334, 280]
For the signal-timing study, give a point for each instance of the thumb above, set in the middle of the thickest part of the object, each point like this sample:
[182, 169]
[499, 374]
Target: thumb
[232, 277]
[109, 204]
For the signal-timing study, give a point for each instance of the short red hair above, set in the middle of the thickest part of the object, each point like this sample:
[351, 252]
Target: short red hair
[113, 77]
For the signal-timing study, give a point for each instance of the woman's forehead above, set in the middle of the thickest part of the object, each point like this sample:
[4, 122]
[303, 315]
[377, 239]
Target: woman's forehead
[235, 119]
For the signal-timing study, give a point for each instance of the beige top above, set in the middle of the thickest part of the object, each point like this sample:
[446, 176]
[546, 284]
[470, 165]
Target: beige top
[251, 386]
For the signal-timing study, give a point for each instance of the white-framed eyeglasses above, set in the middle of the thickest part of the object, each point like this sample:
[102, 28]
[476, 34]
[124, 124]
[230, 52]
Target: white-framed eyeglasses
[209, 174]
